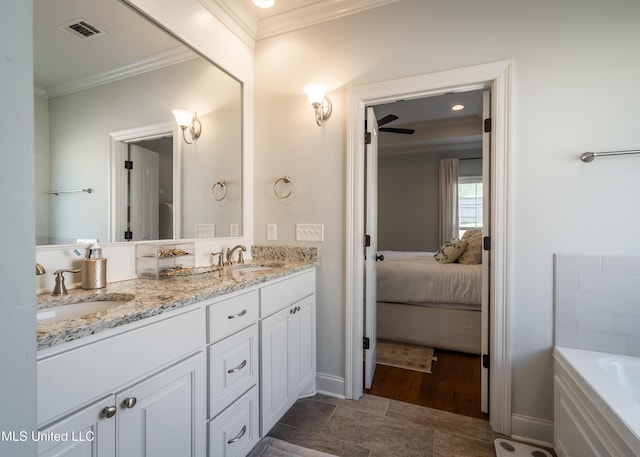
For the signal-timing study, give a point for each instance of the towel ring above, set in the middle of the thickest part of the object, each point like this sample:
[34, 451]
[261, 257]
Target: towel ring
[223, 189]
[281, 194]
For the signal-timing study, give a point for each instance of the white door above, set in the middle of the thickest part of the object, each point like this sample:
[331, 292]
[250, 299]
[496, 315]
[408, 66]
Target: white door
[486, 220]
[144, 193]
[371, 229]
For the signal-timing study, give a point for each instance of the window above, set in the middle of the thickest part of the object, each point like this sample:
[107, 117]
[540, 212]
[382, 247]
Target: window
[469, 203]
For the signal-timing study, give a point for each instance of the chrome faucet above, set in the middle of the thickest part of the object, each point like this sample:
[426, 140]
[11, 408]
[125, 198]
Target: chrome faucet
[240, 248]
[60, 288]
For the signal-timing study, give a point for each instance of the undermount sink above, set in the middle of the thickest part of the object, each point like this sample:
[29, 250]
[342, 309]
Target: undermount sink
[75, 310]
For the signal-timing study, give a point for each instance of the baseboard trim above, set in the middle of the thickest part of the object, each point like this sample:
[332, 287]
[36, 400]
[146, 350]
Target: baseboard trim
[538, 432]
[330, 385]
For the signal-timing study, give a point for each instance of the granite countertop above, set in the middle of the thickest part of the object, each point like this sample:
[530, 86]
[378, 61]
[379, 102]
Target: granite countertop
[153, 297]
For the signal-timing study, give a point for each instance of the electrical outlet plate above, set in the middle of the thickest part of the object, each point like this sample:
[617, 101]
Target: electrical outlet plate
[272, 232]
[235, 229]
[310, 232]
[205, 230]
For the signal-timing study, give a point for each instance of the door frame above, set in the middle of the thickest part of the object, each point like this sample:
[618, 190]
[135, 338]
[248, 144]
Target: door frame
[499, 77]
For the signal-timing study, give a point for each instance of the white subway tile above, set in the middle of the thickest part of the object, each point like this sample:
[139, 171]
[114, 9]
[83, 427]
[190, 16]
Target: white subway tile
[568, 267]
[567, 337]
[595, 341]
[608, 303]
[633, 306]
[566, 311]
[634, 346]
[621, 265]
[632, 324]
[602, 322]
[623, 285]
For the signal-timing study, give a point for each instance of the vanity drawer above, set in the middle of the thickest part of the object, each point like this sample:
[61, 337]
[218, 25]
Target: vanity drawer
[233, 368]
[283, 293]
[236, 431]
[230, 315]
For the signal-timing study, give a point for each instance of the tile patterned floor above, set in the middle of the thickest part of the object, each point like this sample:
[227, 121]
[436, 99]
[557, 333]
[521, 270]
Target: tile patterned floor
[380, 427]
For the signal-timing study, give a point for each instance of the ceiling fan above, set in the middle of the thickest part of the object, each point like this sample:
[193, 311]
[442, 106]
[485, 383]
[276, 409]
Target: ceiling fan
[390, 118]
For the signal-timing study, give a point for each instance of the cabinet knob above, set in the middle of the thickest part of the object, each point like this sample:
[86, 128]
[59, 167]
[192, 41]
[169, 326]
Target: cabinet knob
[130, 402]
[109, 411]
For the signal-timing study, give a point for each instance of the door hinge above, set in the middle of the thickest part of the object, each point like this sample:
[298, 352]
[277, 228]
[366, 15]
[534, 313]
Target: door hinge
[128, 235]
[486, 243]
[487, 125]
[367, 138]
[367, 241]
[486, 361]
[128, 164]
[366, 343]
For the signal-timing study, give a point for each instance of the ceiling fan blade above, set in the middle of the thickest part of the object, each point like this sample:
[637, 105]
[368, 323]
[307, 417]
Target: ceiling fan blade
[394, 130]
[386, 119]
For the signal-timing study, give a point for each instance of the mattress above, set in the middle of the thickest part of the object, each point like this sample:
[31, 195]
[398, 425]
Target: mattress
[416, 277]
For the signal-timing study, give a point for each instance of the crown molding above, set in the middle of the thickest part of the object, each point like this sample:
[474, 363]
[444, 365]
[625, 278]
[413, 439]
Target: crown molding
[289, 21]
[162, 59]
[236, 17]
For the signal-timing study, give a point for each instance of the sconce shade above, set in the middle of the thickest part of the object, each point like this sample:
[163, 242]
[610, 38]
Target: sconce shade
[186, 120]
[321, 105]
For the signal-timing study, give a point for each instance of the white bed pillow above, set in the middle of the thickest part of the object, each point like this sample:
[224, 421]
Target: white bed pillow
[450, 251]
[472, 254]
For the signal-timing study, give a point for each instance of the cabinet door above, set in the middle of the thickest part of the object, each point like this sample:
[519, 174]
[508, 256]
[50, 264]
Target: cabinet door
[277, 397]
[303, 339]
[164, 415]
[87, 433]
[235, 431]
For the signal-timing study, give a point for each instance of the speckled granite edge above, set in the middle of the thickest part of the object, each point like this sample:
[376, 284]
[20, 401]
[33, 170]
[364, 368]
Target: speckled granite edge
[151, 298]
[284, 253]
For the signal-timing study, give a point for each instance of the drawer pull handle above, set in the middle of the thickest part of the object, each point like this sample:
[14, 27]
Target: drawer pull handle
[130, 402]
[109, 411]
[240, 314]
[238, 436]
[239, 367]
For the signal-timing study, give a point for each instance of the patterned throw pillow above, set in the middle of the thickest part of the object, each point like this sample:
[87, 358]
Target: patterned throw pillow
[472, 255]
[450, 251]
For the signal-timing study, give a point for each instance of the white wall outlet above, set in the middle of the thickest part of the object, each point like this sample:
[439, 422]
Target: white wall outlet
[205, 230]
[235, 229]
[272, 232]
[310, 232]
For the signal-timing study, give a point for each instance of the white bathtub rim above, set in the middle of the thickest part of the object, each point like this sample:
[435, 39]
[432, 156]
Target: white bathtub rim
[618, 407]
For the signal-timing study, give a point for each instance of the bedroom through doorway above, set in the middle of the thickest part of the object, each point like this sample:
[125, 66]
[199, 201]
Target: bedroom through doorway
[427, 145]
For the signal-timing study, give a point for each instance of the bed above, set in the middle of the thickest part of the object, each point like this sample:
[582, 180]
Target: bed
[421, 301]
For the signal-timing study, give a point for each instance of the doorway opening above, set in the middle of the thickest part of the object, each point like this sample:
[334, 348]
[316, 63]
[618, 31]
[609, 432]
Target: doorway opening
[438, 367]
[496, 76]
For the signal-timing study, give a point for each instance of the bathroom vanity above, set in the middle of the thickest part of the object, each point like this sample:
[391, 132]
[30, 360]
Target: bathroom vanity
[191, 366]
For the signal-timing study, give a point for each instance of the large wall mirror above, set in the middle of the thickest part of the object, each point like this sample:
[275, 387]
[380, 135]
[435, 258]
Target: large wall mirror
[106, 82]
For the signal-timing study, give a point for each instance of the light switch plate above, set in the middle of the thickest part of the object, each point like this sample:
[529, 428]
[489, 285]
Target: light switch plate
[205, 230]
[272, 232]
[310, 232]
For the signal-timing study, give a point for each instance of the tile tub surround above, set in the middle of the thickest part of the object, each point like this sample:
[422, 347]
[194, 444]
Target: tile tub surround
[152, 297]
[380, 427]
[597, 303]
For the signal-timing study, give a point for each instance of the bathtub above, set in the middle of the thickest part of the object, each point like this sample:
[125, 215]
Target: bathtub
[596, 404]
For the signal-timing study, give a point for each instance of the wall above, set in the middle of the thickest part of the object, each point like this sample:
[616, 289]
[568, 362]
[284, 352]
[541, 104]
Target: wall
[575, 90]
[597, 303]
[17, 230]
[408, 198]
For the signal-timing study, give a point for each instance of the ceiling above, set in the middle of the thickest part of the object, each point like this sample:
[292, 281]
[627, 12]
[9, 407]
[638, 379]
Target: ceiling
[279, 7]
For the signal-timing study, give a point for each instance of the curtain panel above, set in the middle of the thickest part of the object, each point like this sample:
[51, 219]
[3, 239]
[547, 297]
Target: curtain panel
[448, 207]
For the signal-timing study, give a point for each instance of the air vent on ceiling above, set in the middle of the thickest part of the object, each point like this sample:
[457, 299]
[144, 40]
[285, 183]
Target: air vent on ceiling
[80, 28]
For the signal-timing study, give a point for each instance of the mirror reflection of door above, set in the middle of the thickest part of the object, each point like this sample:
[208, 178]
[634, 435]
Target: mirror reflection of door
[150, 190]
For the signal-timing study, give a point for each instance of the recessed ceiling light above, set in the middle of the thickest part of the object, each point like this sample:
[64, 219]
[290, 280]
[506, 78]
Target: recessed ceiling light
[263, 3]
[457, 107]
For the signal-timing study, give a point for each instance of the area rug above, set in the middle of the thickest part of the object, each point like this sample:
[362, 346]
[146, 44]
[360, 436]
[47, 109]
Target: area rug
[273, 447]
[508, 448]
[407, 356]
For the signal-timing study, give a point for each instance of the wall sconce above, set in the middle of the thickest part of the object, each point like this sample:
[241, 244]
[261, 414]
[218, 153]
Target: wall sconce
[186, 120]
[321, 104]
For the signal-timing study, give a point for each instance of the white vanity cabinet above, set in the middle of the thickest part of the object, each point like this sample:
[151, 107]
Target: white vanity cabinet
[135, 393]
[288, 345]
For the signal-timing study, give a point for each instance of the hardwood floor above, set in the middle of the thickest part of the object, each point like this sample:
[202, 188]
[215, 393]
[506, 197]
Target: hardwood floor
[453, 385]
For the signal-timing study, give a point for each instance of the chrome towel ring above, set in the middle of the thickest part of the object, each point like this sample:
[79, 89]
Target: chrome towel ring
[219, 191]
[283, 187]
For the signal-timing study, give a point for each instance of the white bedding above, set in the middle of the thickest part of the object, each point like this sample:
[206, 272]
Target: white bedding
[416, 277]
